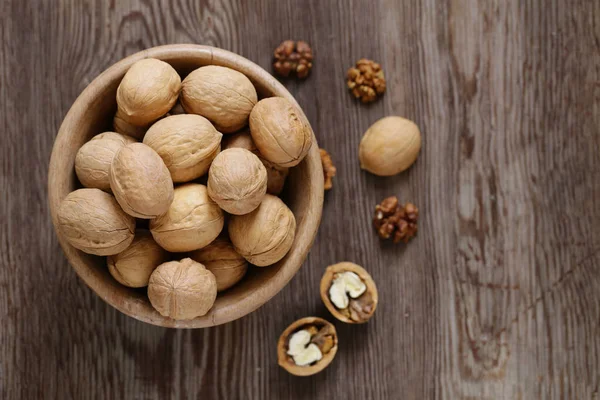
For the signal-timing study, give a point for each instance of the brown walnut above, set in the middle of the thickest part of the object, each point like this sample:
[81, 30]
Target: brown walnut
[366, 80]
[293, 58]
[396, 221]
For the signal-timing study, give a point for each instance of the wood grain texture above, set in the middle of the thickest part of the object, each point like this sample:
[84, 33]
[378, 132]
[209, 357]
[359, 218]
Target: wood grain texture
[497, 298]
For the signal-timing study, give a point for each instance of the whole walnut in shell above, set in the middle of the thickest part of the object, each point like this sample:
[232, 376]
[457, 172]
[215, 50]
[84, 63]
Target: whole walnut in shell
[220, 258]
[141, 181]
[92, 162]
[237, 181]
[182, 289]
[281, 133]
[192, 221]
[187, 143]
[133, 266]
[389, 146]
[265, 235]
[221, 94]
[92, 221]
[148, 91]
[276, 175]
[125, 128]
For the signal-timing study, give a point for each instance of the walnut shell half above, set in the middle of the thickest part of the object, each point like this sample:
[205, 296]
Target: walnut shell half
[265, 235]
[92, 221]
[220, 258]
[360, 308]
[323, 334]
[182, 289]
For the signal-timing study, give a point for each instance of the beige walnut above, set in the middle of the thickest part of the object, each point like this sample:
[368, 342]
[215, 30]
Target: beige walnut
[182, 289]
[192, 221]
[125, 128]
[92, 221]
[187, 143]
[92, 162]
[141, 181]
[220, 258]
[265, 235]
[237, 181]
[221, 94]
[148, 91]
[133, 266]
[276, 175]
[389, 146]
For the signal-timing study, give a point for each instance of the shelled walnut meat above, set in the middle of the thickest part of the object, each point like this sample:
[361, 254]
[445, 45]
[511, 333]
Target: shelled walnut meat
[141, 181]
[133, 266]
[280, 132]
[92, 221]
[187, 144]
[221, 94]
[329, 169]
[366, 80]
[220, 258]
[293, 58]
[349, 292]
[265, 235]
[182, 289]
[396, 221]
[237, 181]
[276, 175]
[92, 162]
[148, 91]
[307, 346]
[192, 221]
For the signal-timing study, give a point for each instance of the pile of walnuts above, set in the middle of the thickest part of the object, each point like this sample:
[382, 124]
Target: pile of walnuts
[169, 134]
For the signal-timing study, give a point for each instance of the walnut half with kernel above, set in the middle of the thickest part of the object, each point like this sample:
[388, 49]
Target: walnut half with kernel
[307, 346]
[349, 292]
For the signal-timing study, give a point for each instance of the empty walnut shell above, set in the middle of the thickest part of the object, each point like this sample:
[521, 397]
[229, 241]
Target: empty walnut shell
[192, 221]
[133, 266]
[182, 289]
[92, 162]
[359, 310]
[265, 235]
[287, 362]
[187, 143]
[220, 258]
[141, 181]
[237, 181]
[280, 132]
[221, 94]
[148, 91]
[92, 221]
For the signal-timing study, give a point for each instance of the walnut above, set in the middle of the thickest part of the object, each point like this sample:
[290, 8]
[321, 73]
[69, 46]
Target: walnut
[293, 57]
[220, 258]
[307, 346]
[182, 289]
[393, 220]
[349, 292]
[366, 80]
[92, 221]
[125, 128]
[187, 143]
[329, 169]
[390, 146]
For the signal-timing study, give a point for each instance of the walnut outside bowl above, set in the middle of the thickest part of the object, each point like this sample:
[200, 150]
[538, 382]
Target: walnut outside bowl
[92, 113]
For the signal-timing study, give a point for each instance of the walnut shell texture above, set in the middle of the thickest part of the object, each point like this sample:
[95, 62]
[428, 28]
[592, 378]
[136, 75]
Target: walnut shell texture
[280, 132]
[220, 258]
[371, 291]
[133, 266]
[276, 175]
[187, 143]
[192, 221]
[182, 289]
[265, 235]
[148, 91]
[285, 360]
[237, 181]
[92, 162]
[141, 181]
[221, 94]
[92, 221]
[125, 128]
[389, 146]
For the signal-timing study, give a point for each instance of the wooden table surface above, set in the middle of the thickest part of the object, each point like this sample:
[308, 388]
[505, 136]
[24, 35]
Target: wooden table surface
[497, 298]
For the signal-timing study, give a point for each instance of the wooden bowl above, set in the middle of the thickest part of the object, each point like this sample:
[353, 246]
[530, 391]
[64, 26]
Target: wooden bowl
[92, 113]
